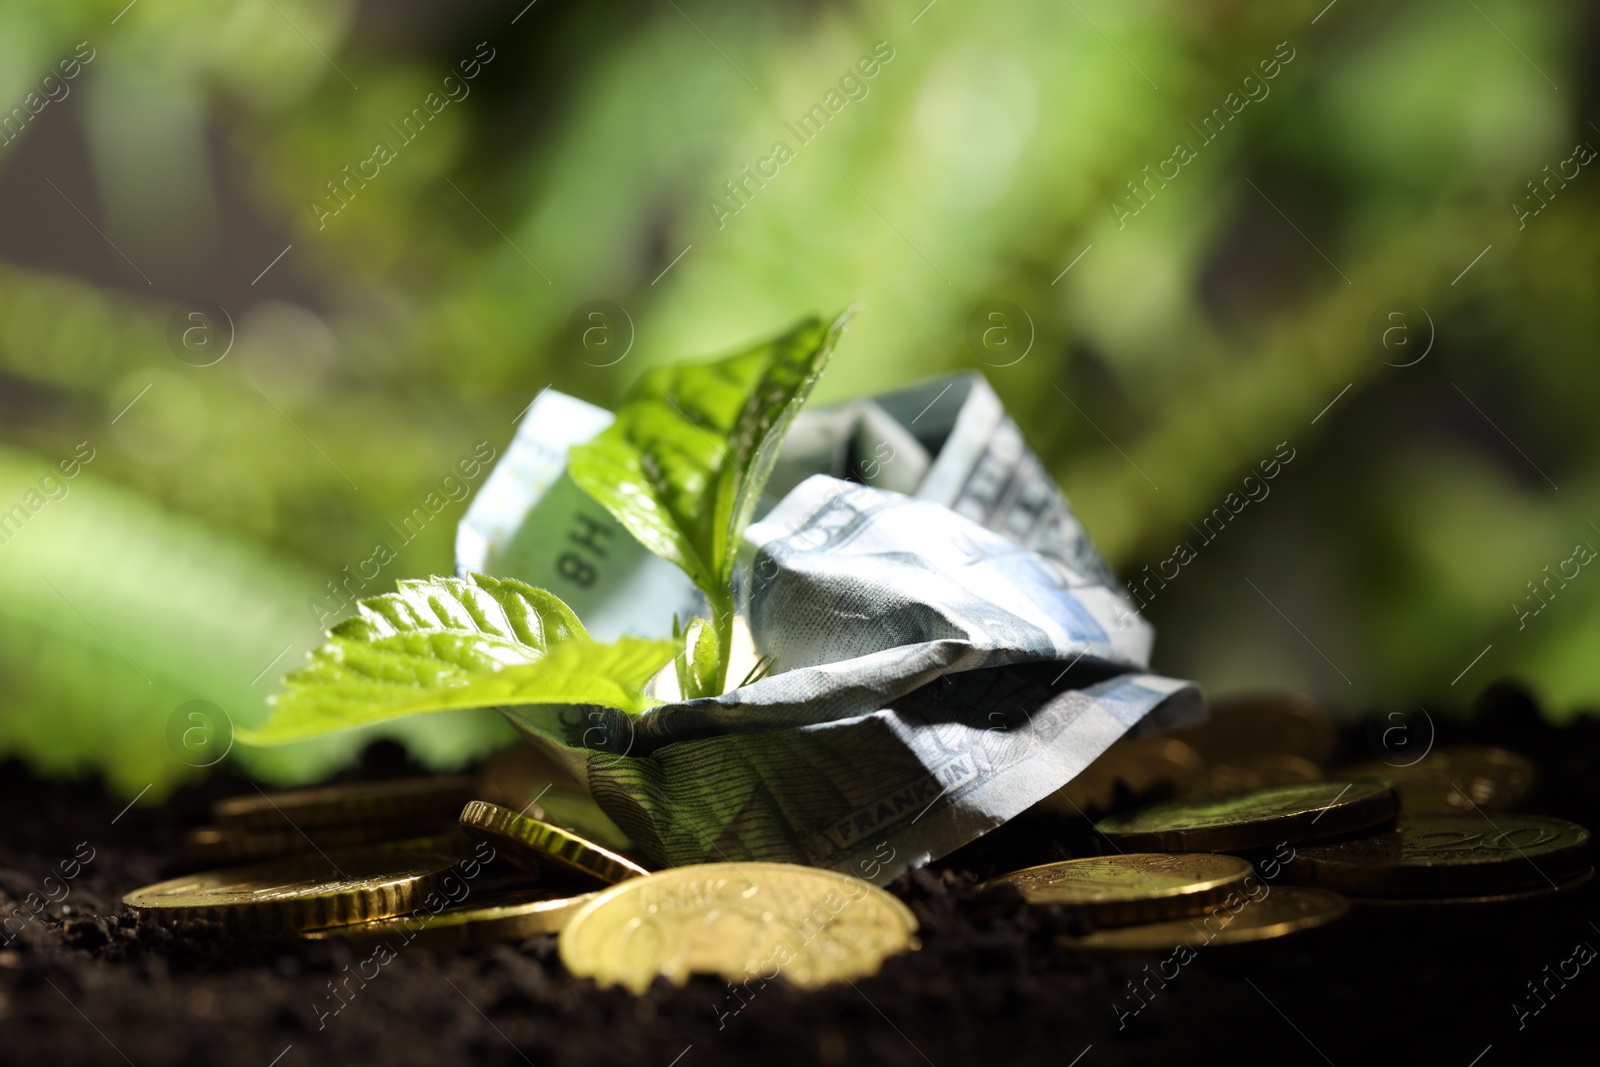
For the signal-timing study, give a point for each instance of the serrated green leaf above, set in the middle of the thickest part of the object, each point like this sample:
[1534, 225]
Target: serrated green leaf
[448, 643]
[683, 465]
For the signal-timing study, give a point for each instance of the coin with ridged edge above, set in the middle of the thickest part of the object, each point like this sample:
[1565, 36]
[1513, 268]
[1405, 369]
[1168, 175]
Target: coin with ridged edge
[1283, 910]
[1302, 811]
[1134, 887]
[394, 802]
[739, 920]
[302, 893]
[542, 848]
[1449, 855]
[496, 917]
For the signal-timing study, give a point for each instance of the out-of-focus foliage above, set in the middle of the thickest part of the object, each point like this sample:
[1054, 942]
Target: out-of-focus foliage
[1207, 314]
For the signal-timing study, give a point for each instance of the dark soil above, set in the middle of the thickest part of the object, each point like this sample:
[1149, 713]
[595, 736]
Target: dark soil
[86, 983]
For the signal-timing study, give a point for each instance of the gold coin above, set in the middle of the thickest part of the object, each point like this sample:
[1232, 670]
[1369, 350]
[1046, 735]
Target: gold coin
[1250, 771]
[525, 779]
[742, 921]
[1289, 723]
[1141, 765]
[1282, 910]
[302, 893]
[576, 811]
[397, 803]
[542, 848]
[1465, 778]
[1521, 896]
[1448, 855]
[1303, 811]
[507, 915]
[1134, 887]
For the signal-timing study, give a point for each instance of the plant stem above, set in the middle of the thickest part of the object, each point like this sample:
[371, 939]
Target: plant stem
[722, 623]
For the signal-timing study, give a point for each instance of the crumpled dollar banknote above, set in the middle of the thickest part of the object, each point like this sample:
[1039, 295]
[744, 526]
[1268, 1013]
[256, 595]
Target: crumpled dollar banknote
[949, 646]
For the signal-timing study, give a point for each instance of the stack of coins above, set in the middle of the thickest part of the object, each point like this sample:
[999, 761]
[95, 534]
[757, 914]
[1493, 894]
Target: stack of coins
[1247, 831]
[419, 812]
[1452, 859]
[1312, 838]
[370, 864]
[1166, 883]
[396, 861]
[1249, 743]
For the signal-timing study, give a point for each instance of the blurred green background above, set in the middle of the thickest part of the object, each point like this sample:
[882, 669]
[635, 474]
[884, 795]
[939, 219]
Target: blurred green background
[373, 347]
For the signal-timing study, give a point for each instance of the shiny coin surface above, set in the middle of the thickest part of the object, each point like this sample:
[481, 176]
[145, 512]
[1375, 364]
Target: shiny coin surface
[487, 919]
[1304, 811]
[1465, 778]
[540, 847]
[1283, 910]
[400, 802]
[1134, 887]
[1289, 723]
[574, 810]
[740, 921]
[1523, 896]
[1448, 855]
[303, 893]
[524, 779]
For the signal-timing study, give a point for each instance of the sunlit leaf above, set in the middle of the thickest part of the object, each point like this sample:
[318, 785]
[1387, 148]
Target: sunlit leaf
[447, 643]
[684, 463]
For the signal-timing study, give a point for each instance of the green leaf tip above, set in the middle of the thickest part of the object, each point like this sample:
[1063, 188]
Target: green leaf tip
[684, 463]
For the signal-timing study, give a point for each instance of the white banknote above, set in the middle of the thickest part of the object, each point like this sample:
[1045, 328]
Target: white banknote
[945, 657]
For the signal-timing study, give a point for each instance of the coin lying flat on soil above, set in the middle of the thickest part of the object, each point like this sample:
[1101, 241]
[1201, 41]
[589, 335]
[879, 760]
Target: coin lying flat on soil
[397, 802]
[302, 893]
[542, 848]
[506, 915]
[1137, 887]
[741, 921]
[1283, 910]
[1305, 811]
[1449, 855]
[1463, 778]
